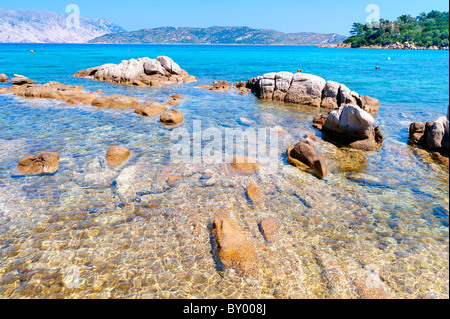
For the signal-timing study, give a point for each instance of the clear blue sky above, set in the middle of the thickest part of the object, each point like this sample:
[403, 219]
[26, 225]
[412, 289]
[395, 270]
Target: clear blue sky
[325, 16]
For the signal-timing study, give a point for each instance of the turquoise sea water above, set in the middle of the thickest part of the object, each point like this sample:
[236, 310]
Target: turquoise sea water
[377, 225]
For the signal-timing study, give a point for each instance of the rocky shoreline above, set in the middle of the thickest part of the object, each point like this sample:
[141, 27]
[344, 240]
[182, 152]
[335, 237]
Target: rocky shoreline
[348, 124]
[394, 46]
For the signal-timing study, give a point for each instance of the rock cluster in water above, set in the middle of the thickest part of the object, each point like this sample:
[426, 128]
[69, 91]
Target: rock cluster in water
[350, 126]
[308, 89]
[241, 87]
[140, 72]
[75, 94]
[433, 136]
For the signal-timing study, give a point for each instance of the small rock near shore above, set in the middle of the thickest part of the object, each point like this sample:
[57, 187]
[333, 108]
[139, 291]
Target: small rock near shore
[117, 155]
[304, 153]
[4, 78]
[40, 163]
[150, 108]
[255, 195]
[172, 117]
[21, 80]
[232, 246]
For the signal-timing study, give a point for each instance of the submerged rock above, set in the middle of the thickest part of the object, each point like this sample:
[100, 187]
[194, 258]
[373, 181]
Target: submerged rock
[255, 195]
[270, 227]
[232, 246]
[21, 80]
[304, 153]
[117, 155]
[40, 163]
[117, 101]
[73, 94]
[245, 164]
[140, 72]
[172, 117]
[4, 78]
[353, 127]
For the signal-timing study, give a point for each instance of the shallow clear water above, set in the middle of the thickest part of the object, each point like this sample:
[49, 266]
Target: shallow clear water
[379, 222]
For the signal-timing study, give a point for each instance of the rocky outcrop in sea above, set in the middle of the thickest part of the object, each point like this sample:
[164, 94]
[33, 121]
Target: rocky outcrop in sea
[350, 126]
[433, 136]
[308, 89]
[139, 72]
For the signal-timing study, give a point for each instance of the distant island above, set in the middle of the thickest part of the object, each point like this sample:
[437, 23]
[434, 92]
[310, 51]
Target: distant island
[426, 31]
[218, 35]
[35, 26]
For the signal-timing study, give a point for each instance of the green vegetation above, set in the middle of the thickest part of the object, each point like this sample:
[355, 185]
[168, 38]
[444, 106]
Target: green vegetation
[425, 30]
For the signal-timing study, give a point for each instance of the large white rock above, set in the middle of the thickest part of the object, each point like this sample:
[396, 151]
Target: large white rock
[152, 66]
[282, 84]
[350, 120]
[437, 134]
[125, 72]
[306, 89]
[21, 80]
[330, 98]
[346, 96]
[169, 65]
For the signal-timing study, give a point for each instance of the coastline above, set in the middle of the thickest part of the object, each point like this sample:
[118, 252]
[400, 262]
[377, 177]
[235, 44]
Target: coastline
[395, 46]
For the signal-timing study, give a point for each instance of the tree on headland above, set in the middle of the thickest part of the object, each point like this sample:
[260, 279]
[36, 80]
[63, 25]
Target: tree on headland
[427, 29]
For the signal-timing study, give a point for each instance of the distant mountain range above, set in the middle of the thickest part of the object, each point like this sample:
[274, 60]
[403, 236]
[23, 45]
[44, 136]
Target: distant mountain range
[218, 35]
[33, 26]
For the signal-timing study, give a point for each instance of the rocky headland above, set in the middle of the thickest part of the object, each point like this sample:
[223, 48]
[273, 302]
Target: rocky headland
[393, 46]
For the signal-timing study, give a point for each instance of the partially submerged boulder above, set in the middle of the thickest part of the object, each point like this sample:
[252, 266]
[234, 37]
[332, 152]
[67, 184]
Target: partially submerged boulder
[73, 94]
[353, 127]
[308, 89]
[150, 108]
[40, 163]
[218, 86]
[117, 101]
[304, 153]
[4, 78]
[172, 117]
[139, 72]
[232, 247]
[21, 80]
[432, 135]
[117, 155]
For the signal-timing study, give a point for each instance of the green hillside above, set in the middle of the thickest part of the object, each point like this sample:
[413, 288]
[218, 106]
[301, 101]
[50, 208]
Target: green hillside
[424, 30]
